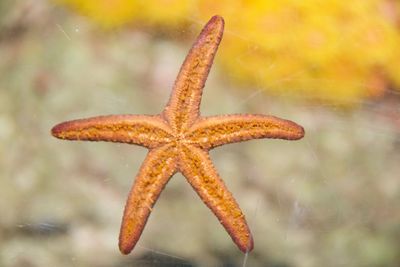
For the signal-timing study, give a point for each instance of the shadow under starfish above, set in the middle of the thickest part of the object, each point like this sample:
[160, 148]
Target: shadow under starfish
[178, 140]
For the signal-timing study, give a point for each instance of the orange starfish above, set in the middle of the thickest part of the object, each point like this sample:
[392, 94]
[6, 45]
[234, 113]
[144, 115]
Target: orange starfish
[178, 140]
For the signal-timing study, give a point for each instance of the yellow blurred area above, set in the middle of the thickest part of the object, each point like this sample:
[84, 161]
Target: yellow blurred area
[116, 13]
[336, 51]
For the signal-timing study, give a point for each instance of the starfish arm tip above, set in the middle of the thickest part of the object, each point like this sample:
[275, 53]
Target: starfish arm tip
[303, 132]
[215, 23]
[241, 236]
[246, 248]
[124, 251]
[124, 247]
[57, 130]
[130, 233]
[217, 19]
[299, 133]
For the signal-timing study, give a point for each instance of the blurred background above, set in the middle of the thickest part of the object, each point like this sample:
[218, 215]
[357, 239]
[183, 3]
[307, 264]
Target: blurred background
[330, 199]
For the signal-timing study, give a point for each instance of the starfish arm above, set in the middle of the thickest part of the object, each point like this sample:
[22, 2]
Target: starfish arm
[218, 130]
[156, 170]
[183, 106]
[148, 131]
[198, 169]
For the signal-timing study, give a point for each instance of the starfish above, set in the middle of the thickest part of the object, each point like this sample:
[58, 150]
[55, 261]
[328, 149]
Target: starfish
[179, 140]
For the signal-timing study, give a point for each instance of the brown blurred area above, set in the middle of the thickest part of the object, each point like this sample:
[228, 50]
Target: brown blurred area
[330, 199]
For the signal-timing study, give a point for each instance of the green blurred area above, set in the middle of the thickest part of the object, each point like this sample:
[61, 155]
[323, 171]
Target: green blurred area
[331, 199]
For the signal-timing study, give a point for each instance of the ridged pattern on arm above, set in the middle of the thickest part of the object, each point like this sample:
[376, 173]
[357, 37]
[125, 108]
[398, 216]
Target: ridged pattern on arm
[214, 131]
[156, 170]
[183, 106]
[148, 131]
[198, 169]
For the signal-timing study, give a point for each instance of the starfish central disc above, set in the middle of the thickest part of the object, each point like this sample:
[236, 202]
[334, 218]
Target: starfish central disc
[179, 140]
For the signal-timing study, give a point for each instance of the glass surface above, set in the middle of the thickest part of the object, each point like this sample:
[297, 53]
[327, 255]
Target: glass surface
[330, 199]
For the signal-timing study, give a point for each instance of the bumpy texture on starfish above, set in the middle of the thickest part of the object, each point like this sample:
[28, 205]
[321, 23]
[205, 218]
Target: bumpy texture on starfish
[178, 140]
